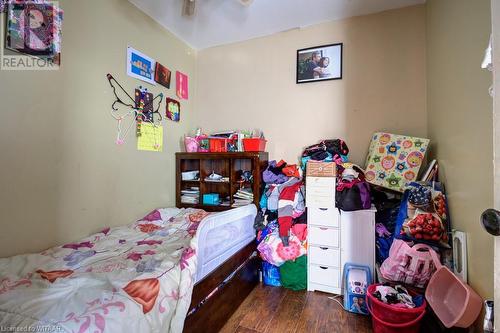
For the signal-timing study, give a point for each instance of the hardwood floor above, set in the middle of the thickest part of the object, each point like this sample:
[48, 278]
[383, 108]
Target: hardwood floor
[279, 310]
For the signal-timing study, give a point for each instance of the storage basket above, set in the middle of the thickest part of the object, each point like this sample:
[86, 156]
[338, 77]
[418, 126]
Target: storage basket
[254, 144]
[390, 319]
[218, 145]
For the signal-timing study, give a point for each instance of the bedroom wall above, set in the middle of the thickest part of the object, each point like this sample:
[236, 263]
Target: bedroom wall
[62, 175]
[460, 122]
[251, 84]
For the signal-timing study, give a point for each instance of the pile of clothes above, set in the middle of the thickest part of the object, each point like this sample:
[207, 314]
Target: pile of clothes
[282, 226]
[397, 296]
[335, 150]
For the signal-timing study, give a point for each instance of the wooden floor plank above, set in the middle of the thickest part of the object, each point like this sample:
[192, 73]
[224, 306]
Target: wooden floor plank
[278, 310]
[285, 320]
[264, 304]
[242, 329]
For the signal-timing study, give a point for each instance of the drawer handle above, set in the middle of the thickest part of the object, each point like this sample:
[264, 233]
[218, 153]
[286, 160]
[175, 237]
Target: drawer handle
[323, 228]
[323, 209]
[323, 267]
[323, 248]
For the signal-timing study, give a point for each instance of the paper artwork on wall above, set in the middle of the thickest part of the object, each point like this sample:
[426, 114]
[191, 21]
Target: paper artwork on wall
[35, 28]
[181, 82]
[151, 138]
[162, 75]
[140, 66]
[173, 109]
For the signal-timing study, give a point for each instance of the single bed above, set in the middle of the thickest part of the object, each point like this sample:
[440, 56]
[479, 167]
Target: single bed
[138, 277]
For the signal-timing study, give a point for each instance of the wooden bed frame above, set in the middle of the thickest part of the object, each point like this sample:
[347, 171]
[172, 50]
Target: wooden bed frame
[214, 313]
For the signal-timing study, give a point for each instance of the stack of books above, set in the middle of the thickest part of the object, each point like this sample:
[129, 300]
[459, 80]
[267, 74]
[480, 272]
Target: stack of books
[243, 197]
[191, 195]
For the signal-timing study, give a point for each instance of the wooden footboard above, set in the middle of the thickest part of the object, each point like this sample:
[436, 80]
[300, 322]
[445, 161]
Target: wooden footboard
[213, 314]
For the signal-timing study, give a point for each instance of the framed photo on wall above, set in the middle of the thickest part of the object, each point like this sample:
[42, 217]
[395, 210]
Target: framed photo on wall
[319, 63]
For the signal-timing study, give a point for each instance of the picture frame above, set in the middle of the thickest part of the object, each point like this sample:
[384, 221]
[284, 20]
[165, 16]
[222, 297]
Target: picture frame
[319, 63]
[162, 75]
[140, 66]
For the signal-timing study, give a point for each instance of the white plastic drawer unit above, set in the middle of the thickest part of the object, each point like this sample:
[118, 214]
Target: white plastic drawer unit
[323, 236]
[320, 191]
[327, 216]
[323, 255]
[328, 276]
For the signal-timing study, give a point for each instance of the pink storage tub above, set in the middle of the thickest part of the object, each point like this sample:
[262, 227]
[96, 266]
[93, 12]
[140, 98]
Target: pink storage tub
[454, 302]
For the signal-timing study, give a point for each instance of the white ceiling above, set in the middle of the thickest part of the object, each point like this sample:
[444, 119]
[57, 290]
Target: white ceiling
[218, 22]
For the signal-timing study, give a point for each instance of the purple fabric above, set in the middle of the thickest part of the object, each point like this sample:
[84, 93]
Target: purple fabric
[270, 178]
[153, 216]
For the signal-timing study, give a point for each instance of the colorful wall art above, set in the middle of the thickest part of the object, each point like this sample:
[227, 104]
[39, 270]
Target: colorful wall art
[394, 160]
[140, 66]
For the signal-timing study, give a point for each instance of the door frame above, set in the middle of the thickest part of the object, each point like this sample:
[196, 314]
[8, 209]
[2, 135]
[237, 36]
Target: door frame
[495, 24]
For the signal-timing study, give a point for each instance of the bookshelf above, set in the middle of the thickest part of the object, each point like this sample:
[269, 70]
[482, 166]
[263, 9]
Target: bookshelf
[228, 165]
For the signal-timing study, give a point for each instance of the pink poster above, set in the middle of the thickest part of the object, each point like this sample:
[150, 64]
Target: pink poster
[181, 85]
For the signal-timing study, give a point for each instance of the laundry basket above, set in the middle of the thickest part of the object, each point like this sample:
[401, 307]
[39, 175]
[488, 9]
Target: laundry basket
[454, 302]
[389, 319]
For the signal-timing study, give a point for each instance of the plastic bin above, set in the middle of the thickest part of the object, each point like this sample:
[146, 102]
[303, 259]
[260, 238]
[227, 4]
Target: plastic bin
[218, 145]
[254, 144]
[454, 302]
[389, 319]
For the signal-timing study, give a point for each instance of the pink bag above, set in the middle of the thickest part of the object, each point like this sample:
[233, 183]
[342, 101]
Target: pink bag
[410, 265]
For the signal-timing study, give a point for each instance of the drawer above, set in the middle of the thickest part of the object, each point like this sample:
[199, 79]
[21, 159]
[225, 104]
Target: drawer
[328, 276]
[327, 216]
[322, 255]
[320, 182]
[323, 236]
[320, 192]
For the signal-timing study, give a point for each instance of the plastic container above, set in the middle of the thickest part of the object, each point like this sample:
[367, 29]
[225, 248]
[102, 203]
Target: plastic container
[254, 144]
[211, 199]
[454, 302]
[191, 144]
[389, 319]
[218, 145]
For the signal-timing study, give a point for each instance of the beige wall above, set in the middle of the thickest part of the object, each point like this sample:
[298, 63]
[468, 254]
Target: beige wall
[460, 122]
[251, 84]
[62, 176]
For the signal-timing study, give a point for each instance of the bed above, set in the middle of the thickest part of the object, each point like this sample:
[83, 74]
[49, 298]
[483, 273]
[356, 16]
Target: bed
[143, 277]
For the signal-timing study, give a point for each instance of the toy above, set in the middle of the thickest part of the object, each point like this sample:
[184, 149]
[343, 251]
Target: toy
[356, 280]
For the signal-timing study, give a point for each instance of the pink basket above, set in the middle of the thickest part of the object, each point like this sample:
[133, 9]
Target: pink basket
[454, 302]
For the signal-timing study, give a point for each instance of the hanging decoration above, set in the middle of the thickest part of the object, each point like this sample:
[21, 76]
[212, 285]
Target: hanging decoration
[181, 81]
[140, 110]
[173, 109]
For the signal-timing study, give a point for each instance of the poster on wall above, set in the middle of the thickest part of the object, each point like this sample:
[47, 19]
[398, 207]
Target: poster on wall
[151, 138]
[173, 109]
[181, 81]
[35, 28]
[162, 75]
[319, 63]
[140, 66]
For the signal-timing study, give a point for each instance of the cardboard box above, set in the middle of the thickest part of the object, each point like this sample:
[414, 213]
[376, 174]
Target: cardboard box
[321, 169]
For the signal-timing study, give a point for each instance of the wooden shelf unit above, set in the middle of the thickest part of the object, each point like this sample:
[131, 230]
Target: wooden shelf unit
[225, 164]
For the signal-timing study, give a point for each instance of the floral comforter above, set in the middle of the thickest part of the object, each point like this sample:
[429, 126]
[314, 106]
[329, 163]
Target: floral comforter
[135, 278]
